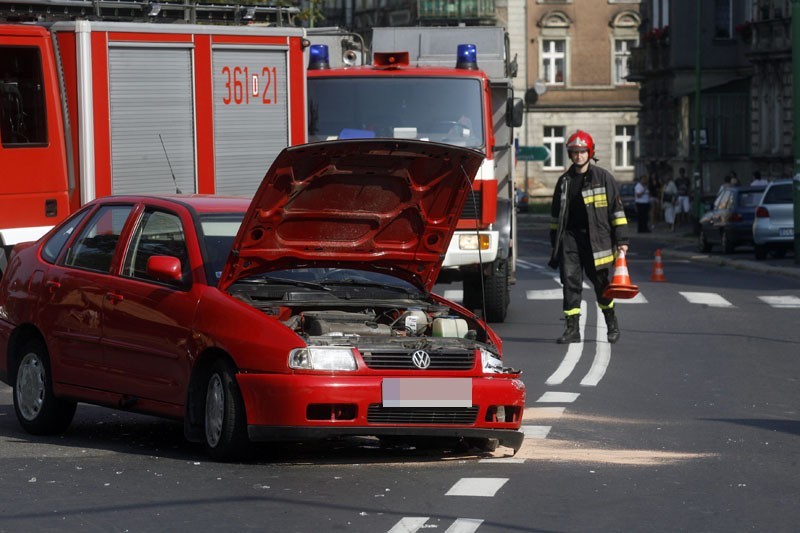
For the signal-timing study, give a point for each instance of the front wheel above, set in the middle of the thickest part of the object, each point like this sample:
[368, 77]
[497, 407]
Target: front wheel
[38, 410]
[225, 423]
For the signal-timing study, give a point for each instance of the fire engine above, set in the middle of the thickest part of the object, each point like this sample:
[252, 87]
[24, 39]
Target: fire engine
[108, 104]
[443, 84]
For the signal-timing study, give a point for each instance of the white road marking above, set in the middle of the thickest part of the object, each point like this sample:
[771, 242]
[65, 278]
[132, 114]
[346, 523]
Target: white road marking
[409, 524]
[558, 397]
[706, 298]
[638, 299]
[573, 355]
[557, 279]
[535, 413]
[510, 460]
[465, 525]
[527, 265]
[477, 486]
[602, 355]
[783, 302]
[455, 295]
[546, 294]
[535, 432]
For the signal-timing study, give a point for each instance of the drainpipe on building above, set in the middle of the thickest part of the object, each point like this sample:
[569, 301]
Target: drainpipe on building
[796, 122]
[698, 182]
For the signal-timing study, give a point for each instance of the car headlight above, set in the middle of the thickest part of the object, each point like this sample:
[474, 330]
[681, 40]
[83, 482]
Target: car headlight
[492, 364]
[322, 358]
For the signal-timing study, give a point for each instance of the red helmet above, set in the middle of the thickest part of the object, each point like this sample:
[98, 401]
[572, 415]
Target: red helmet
[581, 139]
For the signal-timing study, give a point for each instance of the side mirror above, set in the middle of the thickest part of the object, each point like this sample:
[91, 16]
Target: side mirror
[165, 268]
[514, 114]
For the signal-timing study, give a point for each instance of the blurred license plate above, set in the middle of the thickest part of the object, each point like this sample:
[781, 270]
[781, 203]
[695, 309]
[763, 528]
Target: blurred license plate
[427, 392]
[786, 232]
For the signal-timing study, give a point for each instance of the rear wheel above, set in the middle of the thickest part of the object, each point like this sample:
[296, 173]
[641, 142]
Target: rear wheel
[225, 423]
[727, 243]
[38, 410]
[496, 291]
[761, 252]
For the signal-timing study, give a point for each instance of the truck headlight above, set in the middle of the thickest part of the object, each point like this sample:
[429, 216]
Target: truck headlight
[472, 241]
[322, 358]
[492, 364]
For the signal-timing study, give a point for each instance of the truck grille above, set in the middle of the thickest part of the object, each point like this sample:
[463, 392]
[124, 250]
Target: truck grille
[473, 209]
[456, 359]
[377, 414]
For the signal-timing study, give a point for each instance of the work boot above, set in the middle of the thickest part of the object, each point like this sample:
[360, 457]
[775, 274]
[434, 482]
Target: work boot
[612, 325]
[572, 333]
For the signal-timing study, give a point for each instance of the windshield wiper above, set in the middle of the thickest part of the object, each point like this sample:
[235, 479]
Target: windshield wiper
[286, 281]
[360, 283]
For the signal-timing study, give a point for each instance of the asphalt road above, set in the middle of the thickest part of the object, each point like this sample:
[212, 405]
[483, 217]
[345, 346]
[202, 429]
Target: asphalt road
[689, 423]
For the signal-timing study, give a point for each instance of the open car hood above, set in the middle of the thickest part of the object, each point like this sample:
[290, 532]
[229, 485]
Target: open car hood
[383, 205]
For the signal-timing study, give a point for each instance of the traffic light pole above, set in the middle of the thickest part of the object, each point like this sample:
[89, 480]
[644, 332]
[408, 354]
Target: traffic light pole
[796, 123]
[697, 177]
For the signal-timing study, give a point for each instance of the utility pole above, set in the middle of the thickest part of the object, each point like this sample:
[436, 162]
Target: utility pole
[796, 123]
[697, 177]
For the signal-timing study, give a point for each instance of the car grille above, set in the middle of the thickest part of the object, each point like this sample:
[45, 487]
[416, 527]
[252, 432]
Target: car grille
[456, 359]
[377, 414]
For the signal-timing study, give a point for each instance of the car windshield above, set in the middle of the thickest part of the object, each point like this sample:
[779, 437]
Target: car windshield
[341, 282]
[444, 110]
[218, 234]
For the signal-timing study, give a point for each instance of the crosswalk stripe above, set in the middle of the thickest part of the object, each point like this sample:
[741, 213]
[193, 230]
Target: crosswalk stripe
[454, 295]
[638, 299]
[558, 397]
[537, 413]
[546, 294]
[782, 302]
[465, 525]
[706, 298]
[477, 486]
[412, 524]
[535, 432]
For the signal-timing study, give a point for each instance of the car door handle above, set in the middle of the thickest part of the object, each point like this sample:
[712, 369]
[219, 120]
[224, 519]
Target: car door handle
[114, 298]
[52, 285]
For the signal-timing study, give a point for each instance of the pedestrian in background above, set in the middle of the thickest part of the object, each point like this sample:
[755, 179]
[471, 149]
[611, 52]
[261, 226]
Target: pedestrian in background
[642, 198]
[588, 230]
[758, 181]
[654, 186]
[682, 206]
[669, 199]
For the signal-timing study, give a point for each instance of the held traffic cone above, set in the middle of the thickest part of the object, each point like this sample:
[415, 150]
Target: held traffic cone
[621, 286]
[658, 268]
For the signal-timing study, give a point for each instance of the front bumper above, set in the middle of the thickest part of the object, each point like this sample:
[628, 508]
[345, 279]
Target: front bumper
[295, 407]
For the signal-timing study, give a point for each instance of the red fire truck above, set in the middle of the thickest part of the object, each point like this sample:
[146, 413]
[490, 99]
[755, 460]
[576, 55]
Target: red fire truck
[90, 108]
[450, 85]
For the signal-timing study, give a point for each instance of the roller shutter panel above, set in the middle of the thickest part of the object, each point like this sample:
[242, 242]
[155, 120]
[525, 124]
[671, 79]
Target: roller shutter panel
[151, 94]
[251, 124]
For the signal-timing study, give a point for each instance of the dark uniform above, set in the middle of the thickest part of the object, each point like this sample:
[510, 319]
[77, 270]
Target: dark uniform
[588, 223]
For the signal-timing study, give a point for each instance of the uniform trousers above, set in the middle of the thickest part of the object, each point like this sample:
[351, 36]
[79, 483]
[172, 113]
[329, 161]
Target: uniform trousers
[577, 259]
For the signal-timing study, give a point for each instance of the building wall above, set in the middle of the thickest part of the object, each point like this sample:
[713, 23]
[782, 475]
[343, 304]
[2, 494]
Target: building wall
[585, 96]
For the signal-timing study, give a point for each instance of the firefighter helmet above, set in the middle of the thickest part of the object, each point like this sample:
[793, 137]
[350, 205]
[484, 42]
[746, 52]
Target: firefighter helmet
[581, 139]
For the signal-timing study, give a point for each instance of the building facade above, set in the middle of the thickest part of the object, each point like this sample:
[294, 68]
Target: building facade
[578, 54]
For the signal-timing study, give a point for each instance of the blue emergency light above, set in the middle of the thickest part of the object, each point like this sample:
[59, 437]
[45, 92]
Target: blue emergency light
[467, 57]
[318, 57]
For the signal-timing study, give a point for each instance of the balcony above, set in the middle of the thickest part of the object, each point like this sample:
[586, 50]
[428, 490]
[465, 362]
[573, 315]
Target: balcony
[456, 10]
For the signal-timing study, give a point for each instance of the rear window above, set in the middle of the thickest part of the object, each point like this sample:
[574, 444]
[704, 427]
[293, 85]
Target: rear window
[750, 199]
[779, 194]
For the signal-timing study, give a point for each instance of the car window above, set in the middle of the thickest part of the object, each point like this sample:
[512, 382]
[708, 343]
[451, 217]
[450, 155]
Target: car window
[723, 201]
[52, 248]
[750, 199]
[157, 233]
[219, 232]
[779, 194]
[94, 247]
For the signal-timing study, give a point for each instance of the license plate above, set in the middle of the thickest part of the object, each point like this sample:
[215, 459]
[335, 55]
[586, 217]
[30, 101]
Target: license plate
[427, 392]
[786, 232]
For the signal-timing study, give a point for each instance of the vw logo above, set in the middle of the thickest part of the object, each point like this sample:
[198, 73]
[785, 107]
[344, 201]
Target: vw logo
[421, 359]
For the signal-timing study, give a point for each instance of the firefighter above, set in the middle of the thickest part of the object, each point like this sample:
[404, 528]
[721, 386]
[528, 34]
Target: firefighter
[587, 231]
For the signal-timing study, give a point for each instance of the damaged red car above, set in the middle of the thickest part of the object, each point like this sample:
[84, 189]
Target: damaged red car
[304, 313]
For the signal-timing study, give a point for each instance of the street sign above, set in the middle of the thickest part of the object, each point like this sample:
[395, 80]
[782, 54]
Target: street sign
[533, 153]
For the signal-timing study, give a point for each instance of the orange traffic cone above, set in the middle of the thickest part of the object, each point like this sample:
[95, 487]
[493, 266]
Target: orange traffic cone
[658, 268]
[621, 286]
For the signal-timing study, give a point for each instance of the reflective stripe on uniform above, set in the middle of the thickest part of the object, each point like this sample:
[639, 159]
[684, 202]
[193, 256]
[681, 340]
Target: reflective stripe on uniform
[572, 312]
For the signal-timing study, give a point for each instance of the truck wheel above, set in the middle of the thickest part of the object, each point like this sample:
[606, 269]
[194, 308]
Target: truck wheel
[38, 410]
[496, 293]
[225, 425]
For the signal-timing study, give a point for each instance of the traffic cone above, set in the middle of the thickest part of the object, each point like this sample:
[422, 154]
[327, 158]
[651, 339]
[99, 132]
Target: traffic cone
[621, 286]
[658, 268]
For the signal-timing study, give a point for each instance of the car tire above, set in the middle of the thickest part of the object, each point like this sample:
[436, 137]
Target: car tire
[728, 245]
[703, 244]
[761, 252]
[224, 419]
[496, 293]
[779, 253]
[38, 409]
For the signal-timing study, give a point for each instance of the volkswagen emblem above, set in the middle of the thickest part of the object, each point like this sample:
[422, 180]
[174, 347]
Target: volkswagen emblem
[421, 359]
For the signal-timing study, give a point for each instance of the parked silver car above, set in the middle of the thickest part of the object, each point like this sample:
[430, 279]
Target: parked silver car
[773, 227]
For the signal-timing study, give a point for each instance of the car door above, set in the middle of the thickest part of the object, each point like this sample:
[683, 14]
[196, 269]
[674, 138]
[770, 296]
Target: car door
[72, 298]
[146, 322]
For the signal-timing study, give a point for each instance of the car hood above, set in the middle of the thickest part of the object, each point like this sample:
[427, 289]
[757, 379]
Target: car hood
[383, 205]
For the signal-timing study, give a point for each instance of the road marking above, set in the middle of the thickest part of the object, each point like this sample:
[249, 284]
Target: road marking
[412, 524]
[509, 460]
[477, 486]
[546, 294]
[783, 302]
[454, 295]
[535, 432]
[527, 265]
[535, 413]
[602, 355]
[558, 397]
[638, 299]
[706, 298]
[573, 355]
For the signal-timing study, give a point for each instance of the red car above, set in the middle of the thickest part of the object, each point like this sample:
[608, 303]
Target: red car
[305, 313]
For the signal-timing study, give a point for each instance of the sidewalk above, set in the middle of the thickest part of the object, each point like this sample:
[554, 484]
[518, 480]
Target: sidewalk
[682, 244]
